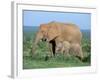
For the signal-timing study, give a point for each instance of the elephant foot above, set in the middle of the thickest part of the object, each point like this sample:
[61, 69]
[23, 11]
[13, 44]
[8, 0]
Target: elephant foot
[46, 58]
[80, 58]
[87, 59]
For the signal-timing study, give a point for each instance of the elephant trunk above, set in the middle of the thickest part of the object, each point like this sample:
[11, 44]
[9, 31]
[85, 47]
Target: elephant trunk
[35, 42]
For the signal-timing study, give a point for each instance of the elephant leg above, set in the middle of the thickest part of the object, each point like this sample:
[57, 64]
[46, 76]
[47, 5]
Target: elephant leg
[50, 49]
[79, 51]
[66, 53]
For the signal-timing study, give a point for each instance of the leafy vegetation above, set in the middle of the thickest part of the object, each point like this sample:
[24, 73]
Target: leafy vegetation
[41, 59]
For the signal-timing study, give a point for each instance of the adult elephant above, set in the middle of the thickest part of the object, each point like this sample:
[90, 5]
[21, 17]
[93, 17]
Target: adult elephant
[54, 32]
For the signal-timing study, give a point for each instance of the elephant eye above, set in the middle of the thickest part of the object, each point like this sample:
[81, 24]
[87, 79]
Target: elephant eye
[42, 31]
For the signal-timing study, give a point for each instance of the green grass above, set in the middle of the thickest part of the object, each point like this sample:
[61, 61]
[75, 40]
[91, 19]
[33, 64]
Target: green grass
[55, 62]
[39, 59]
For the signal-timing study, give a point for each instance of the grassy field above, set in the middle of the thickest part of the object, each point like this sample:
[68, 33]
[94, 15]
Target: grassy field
[39, 59]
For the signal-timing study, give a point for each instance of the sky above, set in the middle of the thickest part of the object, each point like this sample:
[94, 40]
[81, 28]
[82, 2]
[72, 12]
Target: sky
[35, 18]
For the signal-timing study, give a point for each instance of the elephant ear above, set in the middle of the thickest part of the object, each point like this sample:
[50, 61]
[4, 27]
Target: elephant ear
[53, 31]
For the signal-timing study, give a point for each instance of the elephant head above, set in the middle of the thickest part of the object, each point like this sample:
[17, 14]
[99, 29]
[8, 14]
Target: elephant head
[46, 32]
[40, 35]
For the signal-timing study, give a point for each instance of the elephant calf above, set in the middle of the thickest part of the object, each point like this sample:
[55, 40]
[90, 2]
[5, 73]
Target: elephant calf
[68, 48]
